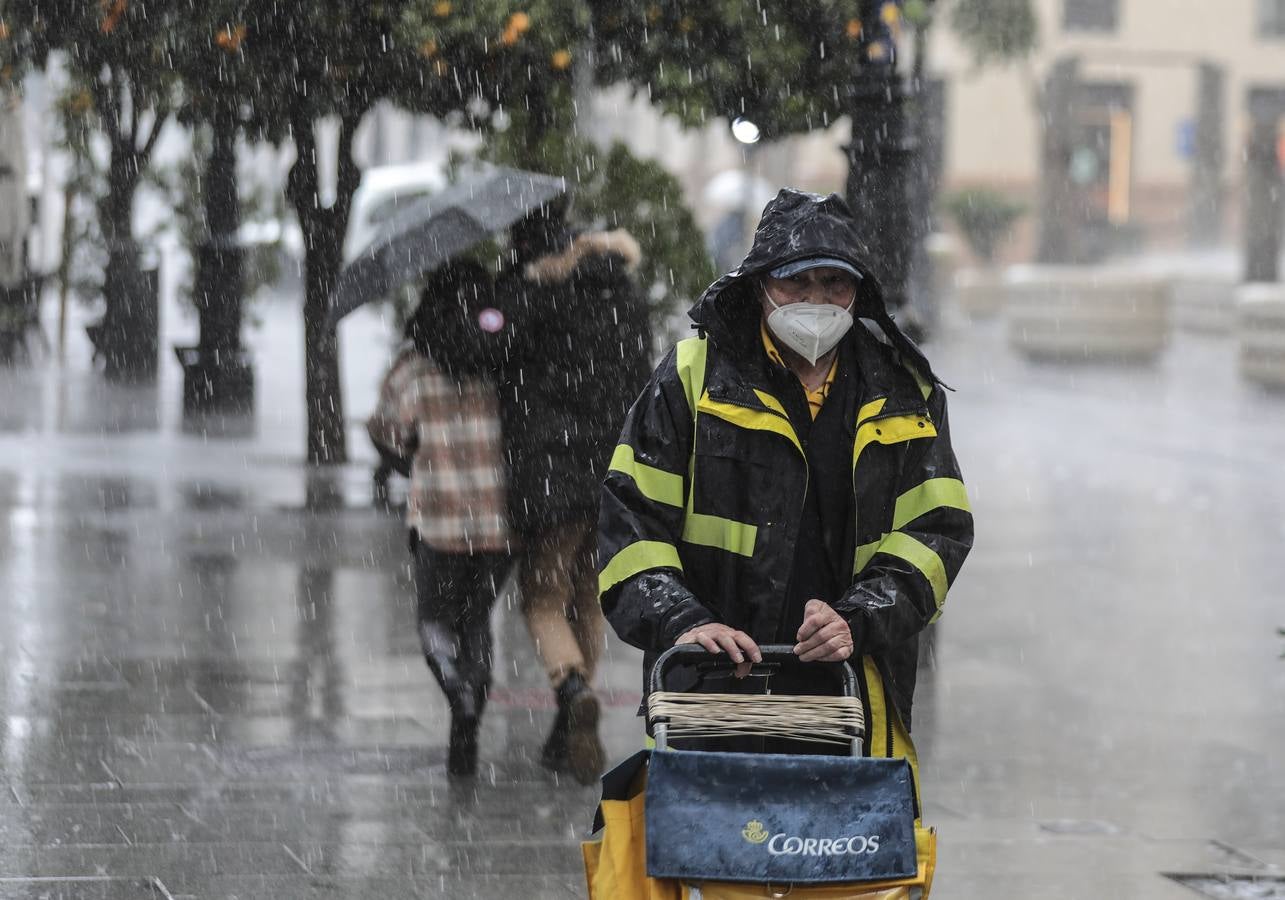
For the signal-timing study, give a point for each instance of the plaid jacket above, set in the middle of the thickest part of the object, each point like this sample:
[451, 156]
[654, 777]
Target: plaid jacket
[451, 430]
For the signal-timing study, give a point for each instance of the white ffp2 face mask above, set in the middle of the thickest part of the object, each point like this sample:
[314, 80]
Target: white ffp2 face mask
[809, 329]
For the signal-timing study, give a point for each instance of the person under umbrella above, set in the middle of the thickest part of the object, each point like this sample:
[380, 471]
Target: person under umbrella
[438, 408]
[580, 352]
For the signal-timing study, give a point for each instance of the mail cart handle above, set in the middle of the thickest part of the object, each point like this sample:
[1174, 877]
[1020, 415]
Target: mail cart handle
[775, 657]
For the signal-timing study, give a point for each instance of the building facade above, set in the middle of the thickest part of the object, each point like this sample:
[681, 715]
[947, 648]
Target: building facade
[1151, 140]
[1163, 98]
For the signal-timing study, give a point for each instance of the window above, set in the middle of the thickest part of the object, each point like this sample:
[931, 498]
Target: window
[1090, 15]
[1271, 18]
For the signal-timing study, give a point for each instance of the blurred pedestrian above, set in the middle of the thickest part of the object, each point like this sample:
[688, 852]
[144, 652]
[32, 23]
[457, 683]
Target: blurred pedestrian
[439, 408]
[787, 476]
[580, 352]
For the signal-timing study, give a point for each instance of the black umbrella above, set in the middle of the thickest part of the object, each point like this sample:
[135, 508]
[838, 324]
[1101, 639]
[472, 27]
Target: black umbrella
[435, 229]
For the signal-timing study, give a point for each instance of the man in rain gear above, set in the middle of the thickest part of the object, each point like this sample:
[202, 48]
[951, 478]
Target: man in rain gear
[787, 477]
[580, 351]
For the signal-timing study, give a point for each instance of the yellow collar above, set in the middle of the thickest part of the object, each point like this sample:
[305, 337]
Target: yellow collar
[769, 346]
[816, 397]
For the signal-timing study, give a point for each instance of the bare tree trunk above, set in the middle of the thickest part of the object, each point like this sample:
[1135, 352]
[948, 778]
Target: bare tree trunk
[221, 322]
[323, 232]
[127, 339]
[217, 377]
[323, 394]
[128, 334]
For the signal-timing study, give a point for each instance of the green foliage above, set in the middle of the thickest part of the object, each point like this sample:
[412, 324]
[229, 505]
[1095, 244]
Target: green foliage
[118, 53]
[298, 60]
[642, 197]
[522, 55]
[985, 217]
[918, 12]
[109, 41]
[996, 31]
[787, 65]
[482, 56]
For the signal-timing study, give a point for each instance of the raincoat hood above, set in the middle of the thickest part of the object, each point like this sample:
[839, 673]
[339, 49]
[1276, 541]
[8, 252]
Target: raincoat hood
[588, 247]
[796, 225]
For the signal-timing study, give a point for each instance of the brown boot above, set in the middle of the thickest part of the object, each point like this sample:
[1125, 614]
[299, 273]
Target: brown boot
[575, 733]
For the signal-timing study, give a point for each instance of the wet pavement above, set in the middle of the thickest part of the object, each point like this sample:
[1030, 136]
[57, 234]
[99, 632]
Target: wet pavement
[210, 684]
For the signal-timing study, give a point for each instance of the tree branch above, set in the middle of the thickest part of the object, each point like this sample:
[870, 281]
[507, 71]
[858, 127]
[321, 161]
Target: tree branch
[134, 116]
[349, 175]
[108, 108]
[301, 182]
[162, 114]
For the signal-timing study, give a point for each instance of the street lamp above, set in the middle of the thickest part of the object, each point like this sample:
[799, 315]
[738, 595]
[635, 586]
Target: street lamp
[882, 152]
[745, 131]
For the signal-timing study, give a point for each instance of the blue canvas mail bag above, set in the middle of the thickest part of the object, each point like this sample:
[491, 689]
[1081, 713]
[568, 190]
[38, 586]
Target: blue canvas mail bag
[779, 819]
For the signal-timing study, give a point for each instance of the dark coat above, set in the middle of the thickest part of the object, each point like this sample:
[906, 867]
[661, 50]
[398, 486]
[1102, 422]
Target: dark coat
[580, 350]
[704, 506]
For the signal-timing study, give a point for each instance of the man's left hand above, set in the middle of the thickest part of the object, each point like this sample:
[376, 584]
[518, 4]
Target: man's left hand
[824, 635]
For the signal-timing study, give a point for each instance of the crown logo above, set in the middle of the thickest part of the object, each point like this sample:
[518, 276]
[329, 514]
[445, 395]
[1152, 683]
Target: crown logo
[754, 832]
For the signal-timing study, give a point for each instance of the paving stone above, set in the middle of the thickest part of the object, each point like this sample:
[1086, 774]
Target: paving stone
[463, 858]
[88, 888]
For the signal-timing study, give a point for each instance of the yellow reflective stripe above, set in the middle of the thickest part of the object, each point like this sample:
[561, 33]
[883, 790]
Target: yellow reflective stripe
[638, 557]
[923, 558]
[865, 553]
[892, 430]
[770, 402]
[753, 419]
[654, 484]
[925, 387]
[902, 745]
[689, 358]
[932, 494]
[877, 714]
[720, 533]
[873, 408]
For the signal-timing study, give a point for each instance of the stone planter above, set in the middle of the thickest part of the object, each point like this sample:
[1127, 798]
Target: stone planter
[1086, 313]
[1205, 305]
[1260, 327]
[979, 293]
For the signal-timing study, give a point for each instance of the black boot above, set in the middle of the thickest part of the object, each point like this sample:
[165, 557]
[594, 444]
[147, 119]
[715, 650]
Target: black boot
[467, 705]
[466, 700]
[461, 759]
[573, 744]
[553, 756]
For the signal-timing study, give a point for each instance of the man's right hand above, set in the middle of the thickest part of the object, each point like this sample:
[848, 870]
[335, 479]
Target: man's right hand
[719, 638]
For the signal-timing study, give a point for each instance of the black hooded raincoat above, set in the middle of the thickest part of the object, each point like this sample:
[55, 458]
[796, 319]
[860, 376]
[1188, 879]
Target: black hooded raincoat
[580, 350]
[726, 502]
